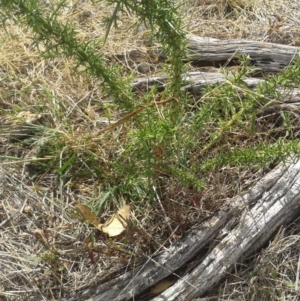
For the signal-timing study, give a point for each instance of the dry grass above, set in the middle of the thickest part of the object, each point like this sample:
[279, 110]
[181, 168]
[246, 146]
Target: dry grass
[271, 275]
[43, 255]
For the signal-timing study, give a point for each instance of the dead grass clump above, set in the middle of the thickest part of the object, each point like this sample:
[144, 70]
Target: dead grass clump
[269, 21]
[44, 254]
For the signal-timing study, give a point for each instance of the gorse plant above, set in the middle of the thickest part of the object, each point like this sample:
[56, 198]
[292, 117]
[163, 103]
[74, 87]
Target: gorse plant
[166, 25]
[159, 135]
[59, 39]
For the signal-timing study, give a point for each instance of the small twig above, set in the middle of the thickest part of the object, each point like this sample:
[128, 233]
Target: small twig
[297, 274]
[214, 298]
[5, 222]
[133, 113]
[163, 209]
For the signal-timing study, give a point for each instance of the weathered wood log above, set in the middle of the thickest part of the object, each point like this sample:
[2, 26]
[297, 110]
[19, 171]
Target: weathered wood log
[267, 57]
[277, 206]
[197, 81]
[242, 226]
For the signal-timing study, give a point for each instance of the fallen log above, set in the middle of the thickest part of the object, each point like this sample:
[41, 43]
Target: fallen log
[277, 206]
[197, 81]
[267, 57]
[238, 229]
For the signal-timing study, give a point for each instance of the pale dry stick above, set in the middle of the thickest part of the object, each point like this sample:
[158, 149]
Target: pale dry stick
[3, 223]
[191, 16]
[23, 206]
[127, 117]
[161, 246]
[297, 274]
[231, 58]
[10, 219]
[160, 113]
[201, 99]
[24, 161]
[163, 209]
[279, 235]
[270, 101]
[4, 103]
[214, 298]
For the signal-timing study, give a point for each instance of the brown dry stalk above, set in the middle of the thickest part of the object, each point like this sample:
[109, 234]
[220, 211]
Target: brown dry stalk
[133, 113]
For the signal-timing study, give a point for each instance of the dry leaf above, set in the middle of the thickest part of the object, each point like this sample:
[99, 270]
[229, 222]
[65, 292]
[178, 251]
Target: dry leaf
[123, 213]
[117, 223]
[87, 214]
[114, 226]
